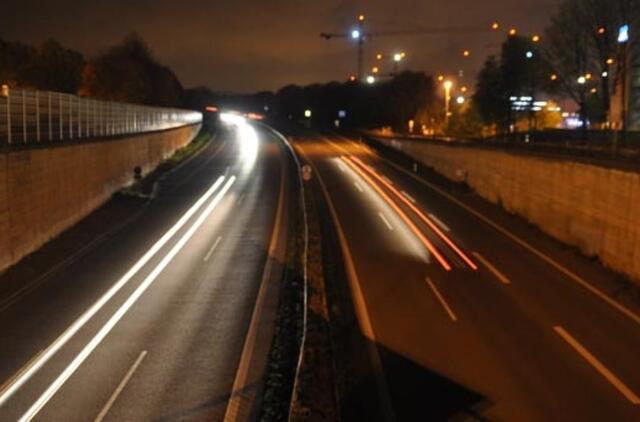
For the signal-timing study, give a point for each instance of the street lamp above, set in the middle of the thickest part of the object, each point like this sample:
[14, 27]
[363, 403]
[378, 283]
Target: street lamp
[355, 34]
[447, 101]
[371, 79]
[623, 40]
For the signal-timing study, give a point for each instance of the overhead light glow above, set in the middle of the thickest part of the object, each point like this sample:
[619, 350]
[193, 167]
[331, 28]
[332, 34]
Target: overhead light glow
[623, 34]
[371, 79]
[355, 34]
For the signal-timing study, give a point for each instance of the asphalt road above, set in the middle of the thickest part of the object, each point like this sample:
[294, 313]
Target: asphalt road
[166, 317]
[472, 313]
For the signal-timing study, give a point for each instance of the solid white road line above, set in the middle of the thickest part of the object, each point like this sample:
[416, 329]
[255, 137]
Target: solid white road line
[440, 223]
[358, 186]
[120, 387]
[35, 365]
[119, 314]
[593, 361]
[385, 221]
[409, 197]
[501, 277]
[240, 382]
[443, 302]
[213, 248]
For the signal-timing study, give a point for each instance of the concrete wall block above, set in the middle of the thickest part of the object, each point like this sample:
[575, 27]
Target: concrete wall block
[45, 191]
[594, 208]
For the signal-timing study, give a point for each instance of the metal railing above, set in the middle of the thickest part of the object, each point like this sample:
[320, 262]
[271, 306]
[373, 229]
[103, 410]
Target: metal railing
[32, 117]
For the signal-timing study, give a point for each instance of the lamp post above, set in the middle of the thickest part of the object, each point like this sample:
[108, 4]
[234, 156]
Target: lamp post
[623, 40]
[447, 101]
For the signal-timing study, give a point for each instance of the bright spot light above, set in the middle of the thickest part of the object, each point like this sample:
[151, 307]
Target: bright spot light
[623, 34]
[460, 100]
[397, 57]
[582, 80]
[307, 114]
[536, 38]
[371, 79]
[513, 32]
[605, 74]
[355, 34]
[448, 84]
[554, 77]
[529, 54]
[495, 26]
[466, 53]
[361, 18]
[375, 69]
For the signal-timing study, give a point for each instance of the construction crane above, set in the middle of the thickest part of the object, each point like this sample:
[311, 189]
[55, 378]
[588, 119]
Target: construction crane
[359, 34]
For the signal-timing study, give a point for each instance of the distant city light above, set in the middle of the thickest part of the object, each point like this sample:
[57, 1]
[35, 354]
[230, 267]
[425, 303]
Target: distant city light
[623, 34]
[355, 34]
[448, 84]
[536, 38]
[460, 100]
[495, 26]
[307, 113]
[397, 57]
[605, 74]
[582, 80]
[554, 77]
[529, 54]
[342, 114]
[371, 79]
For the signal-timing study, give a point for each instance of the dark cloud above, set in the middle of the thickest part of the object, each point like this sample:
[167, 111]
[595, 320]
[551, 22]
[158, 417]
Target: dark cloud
[253, 45]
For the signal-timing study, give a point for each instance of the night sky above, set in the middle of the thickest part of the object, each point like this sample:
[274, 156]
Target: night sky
[249, 45]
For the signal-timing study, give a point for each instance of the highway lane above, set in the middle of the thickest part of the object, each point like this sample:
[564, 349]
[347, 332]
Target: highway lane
[168, 342]
[516, 339]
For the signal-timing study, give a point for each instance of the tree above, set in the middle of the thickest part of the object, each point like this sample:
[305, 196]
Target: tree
[491, 98]
[129, 73]
[581, 41]
[55, 68]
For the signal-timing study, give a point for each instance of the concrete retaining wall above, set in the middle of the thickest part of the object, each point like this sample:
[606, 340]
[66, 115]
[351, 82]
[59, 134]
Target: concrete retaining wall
[44, 191]
[594, 208]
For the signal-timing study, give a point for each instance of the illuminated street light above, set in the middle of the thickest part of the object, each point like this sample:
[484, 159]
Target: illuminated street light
[605, 74]
[464, 89]
[594, 90]
[554, 77]
[582, 80]
[529, 54]
[447, 100]
[513, 32]
[352, 78]
[588, 76]
[460, 100]
[361, 18]
[466, 53]
[397, 57]
[379, 56]
[536, 38]
[307, 113]
[371, 79]
[440, 78]
[495, 26]
[375, 69]
[610, 61]
[602, 30]
[355, 34]
[623, 34]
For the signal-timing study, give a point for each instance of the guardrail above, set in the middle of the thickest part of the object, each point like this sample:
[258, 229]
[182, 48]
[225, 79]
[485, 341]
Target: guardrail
[32, 117]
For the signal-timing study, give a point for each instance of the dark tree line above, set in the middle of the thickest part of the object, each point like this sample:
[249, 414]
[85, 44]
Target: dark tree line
[127, 72]
[393, 102]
